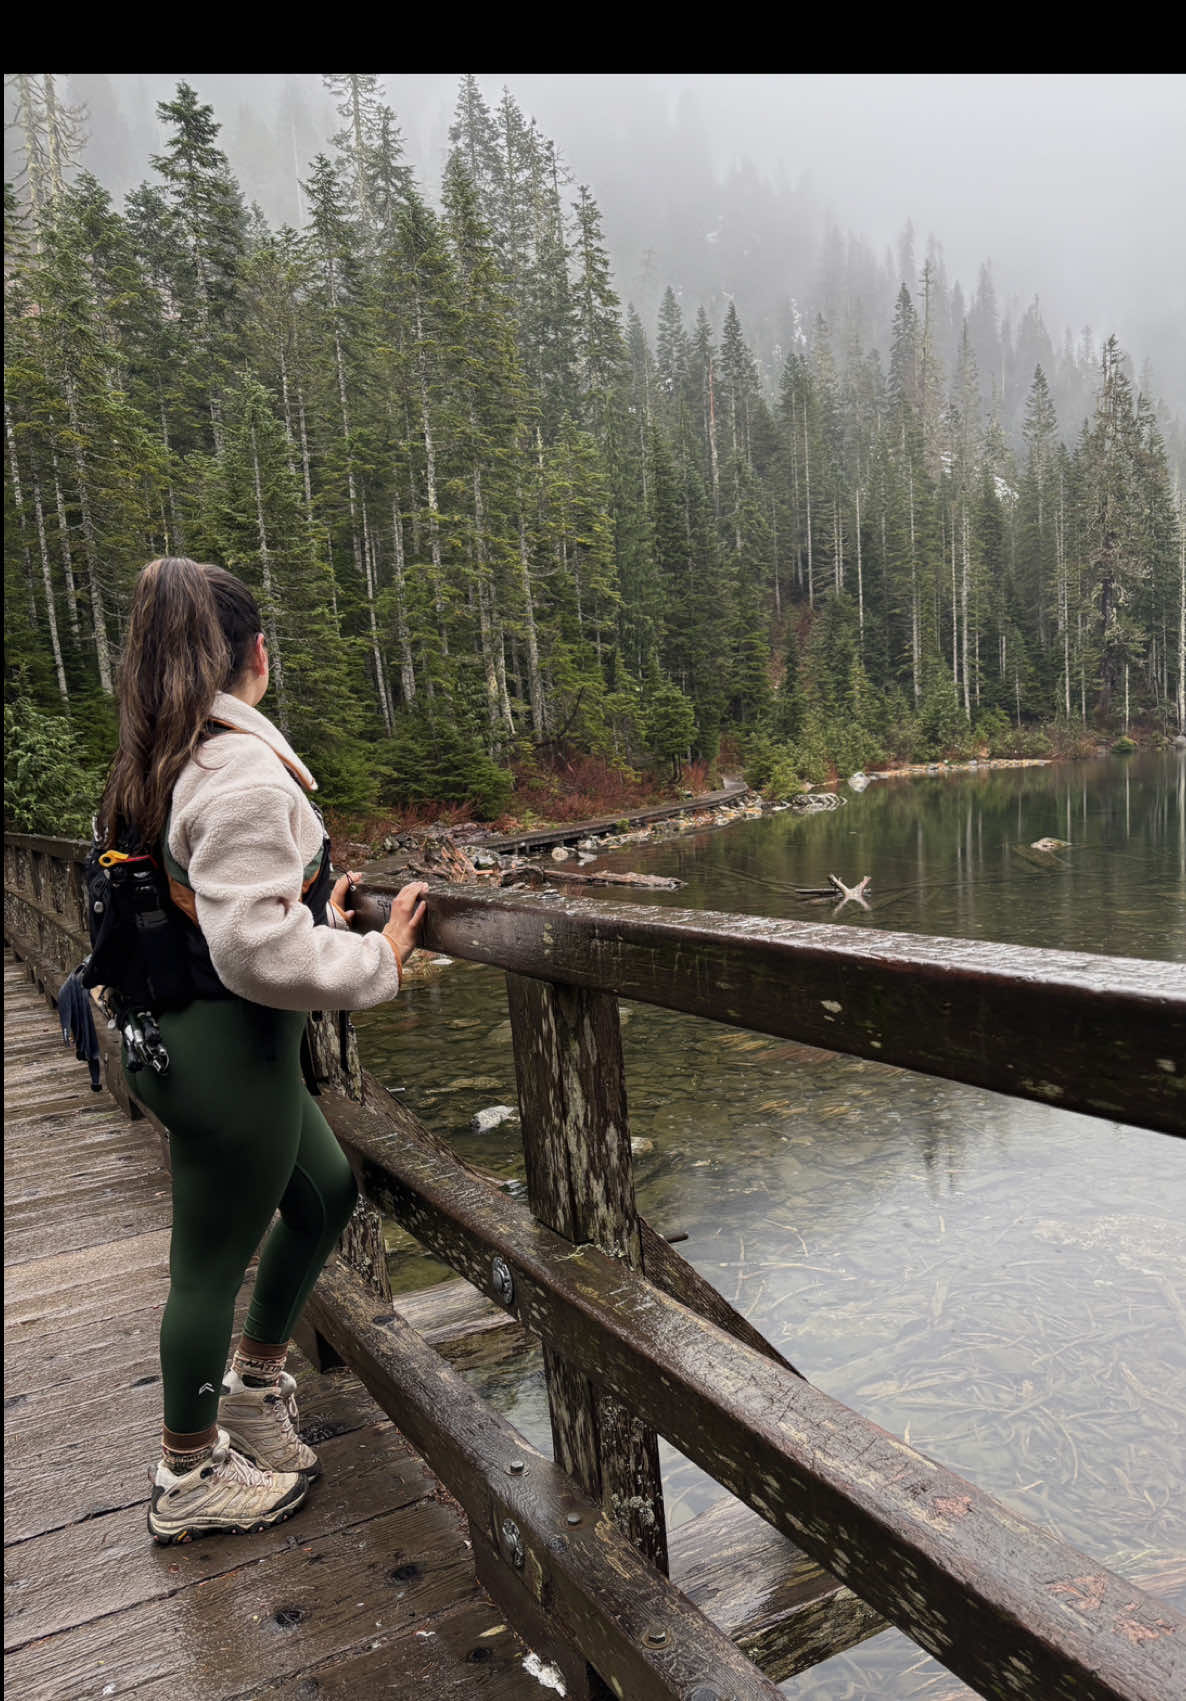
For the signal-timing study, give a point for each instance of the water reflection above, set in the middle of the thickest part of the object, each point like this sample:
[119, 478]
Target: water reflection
[998, 1281]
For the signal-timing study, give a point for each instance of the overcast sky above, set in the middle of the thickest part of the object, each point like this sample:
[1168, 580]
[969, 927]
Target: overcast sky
[1074, 186]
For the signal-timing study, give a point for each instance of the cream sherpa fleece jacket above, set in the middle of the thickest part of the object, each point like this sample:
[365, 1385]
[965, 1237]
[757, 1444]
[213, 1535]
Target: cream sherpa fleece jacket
[244, 833]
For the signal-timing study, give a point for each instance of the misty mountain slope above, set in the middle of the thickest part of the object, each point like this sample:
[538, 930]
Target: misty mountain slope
[502, 524]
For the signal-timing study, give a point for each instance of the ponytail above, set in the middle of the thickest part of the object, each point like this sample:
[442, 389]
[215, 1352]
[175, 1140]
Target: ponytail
[190, 630]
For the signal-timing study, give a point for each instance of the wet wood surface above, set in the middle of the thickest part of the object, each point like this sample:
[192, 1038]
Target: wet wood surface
[370, 1590]
[1011, 1609]
[1103, 1035]
[553, 1543]
[576, 1142]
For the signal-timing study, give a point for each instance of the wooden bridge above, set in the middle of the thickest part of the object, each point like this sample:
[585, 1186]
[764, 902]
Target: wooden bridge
[442, 1554]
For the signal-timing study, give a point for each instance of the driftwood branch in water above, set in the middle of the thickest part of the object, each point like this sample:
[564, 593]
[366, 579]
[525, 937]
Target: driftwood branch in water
[850, 894]
[562, 877]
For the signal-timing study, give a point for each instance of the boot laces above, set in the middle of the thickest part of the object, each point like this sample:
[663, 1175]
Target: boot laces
[228, 1463]
[286, 1405]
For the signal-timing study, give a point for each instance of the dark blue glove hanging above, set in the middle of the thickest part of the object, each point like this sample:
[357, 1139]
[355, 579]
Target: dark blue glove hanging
[78, 1024]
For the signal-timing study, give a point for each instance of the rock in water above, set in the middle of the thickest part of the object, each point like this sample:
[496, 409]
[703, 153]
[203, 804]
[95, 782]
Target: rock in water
[1051, 844]
[560, 854]
[858, 781]
[493, 1117]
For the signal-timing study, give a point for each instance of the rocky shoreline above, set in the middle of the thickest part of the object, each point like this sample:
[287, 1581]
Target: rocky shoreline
[395, 851]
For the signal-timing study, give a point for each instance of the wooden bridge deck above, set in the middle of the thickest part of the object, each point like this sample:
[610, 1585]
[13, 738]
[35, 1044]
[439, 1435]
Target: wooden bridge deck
[370, 1591]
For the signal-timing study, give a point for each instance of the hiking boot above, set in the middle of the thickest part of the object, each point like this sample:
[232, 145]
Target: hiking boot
[261, 1423]
[224, 1494]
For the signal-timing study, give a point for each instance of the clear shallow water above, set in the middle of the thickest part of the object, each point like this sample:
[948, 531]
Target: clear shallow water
[1002, 1283]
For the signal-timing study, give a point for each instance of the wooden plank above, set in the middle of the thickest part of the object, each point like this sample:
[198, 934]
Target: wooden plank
[1105, 1036]
[83, 1288]
[469, 1651]
[88, 1456]
[994, 1598]
[368, 1473]
[779, 1605]
[598, 1588]
[336, 1594]
[94, 1216]
[576, 1140]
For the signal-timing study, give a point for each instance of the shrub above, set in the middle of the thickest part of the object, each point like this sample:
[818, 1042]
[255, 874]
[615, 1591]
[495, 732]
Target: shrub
[436, 760]
[47, 787]
[1124, 746]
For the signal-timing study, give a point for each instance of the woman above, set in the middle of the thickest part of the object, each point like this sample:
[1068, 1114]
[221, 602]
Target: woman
[214, 791]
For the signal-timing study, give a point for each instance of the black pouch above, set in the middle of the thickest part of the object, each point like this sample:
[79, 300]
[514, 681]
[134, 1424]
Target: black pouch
[135, 946]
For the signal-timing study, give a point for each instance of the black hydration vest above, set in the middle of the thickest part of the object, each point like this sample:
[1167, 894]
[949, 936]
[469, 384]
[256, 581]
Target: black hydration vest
[146, 945]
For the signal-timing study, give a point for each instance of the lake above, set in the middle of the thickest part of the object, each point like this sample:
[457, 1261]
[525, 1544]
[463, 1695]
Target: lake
[999, 1282]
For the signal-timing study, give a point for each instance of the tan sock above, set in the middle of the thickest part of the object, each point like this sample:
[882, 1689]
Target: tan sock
[258, 1371]
[182, 1460]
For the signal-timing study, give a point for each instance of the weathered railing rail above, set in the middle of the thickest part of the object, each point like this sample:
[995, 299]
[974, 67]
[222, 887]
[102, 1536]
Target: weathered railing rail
[637, 1344]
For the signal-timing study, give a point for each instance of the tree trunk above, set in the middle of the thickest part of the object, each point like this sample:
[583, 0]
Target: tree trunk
[486, 617]
[1181, 613]
[287, 406]
[430, 473]
[915, 612]
[178, 535]
[382, 686]
[47, 581]
[91, 547]
[860, 580]
[955, 624]
[15, 475]
[67, 564]
[269, 609]
[407, 669]
[967, 567]
[807, 482]
[535, 689]
[712, 444]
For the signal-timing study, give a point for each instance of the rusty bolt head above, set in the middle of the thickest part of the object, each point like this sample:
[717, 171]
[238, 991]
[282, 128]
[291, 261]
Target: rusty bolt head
[516, 1467]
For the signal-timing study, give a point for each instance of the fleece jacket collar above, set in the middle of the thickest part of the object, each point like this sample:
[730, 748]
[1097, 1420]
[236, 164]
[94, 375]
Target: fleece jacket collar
[234, 712]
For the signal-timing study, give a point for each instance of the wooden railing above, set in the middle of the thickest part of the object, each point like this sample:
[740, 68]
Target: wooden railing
[638, 1345]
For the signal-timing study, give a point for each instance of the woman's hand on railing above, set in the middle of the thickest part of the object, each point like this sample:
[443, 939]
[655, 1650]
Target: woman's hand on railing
[407, 915]
[341, 894]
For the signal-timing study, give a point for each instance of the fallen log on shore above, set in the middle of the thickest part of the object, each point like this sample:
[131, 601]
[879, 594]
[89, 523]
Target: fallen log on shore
[530, 876]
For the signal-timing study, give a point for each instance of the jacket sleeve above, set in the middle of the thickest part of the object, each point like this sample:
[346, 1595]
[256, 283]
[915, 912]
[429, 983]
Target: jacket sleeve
[245, 868]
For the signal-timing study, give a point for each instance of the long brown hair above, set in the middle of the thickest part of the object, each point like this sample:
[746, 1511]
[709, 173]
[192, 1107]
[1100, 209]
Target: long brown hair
[190, 630]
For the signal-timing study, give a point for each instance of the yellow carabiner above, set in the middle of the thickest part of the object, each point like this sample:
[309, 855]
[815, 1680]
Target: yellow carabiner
[111, 857]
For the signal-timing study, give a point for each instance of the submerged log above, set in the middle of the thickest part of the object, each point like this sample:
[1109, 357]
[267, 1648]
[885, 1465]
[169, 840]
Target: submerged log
[567, 877]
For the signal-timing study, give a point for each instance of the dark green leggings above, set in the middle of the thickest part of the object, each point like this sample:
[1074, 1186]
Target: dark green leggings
[246, 1139]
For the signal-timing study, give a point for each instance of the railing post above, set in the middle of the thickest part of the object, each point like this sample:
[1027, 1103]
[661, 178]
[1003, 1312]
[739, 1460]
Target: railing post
[576, 1138]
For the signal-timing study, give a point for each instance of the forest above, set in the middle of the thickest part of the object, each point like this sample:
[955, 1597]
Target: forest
[513, 546]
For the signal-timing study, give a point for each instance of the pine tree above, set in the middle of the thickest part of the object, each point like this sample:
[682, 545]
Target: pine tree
[210, 230]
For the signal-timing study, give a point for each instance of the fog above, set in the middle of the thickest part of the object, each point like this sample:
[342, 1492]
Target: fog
[1073, 186]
